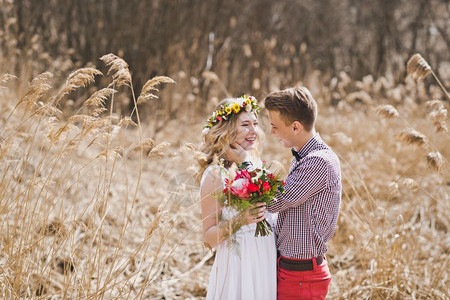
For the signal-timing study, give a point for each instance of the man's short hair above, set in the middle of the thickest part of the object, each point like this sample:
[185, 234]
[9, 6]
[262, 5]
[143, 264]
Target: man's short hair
[294, 104]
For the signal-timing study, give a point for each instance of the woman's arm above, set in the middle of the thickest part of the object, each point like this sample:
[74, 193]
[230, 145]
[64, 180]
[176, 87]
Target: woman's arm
[214, 231]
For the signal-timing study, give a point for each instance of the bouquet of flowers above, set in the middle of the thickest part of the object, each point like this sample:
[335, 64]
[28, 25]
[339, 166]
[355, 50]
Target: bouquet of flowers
[252, 186]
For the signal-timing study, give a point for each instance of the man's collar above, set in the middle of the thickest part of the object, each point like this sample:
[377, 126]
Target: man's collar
[306, 148]
[295, 154]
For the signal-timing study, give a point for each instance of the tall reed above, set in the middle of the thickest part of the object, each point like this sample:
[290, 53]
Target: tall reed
[62, 233]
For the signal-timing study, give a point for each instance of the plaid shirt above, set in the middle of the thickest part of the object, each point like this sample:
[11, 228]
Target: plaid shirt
[309, 208]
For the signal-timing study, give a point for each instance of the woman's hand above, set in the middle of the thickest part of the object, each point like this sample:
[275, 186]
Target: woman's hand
[255, 213]
[236, 153]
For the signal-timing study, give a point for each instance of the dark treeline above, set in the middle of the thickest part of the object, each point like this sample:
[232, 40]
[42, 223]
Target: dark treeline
[252, 44]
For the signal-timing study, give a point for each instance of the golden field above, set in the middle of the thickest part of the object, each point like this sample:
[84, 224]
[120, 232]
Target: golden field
[99, 205]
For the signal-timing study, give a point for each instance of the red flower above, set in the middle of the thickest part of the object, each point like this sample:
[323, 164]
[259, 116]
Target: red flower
[252, 187]
[266, 186]
[219, 118]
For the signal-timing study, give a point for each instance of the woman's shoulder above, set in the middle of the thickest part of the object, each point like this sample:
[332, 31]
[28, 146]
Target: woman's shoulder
[211, 172]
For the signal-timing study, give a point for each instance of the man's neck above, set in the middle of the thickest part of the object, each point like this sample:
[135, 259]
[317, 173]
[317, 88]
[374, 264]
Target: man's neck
[304, 138]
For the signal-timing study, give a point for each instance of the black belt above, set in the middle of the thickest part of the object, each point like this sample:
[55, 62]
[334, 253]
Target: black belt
[299, 265]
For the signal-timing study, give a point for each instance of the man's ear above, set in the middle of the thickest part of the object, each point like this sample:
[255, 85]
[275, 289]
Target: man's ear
[297, 127]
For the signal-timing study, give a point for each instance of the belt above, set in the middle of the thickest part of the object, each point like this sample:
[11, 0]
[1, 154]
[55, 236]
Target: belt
[299, 265]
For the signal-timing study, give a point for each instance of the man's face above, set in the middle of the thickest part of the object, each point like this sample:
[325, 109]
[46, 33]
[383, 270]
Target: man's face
[285, 133]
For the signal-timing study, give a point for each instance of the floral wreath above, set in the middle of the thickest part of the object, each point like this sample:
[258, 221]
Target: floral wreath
[226, 111]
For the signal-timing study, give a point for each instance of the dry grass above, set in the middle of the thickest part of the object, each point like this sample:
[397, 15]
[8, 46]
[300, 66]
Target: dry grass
[93, 206]
[75, 222]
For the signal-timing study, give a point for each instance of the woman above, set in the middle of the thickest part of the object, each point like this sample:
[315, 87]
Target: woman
[245, 265]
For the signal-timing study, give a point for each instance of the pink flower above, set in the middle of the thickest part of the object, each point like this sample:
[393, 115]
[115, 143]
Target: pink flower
[244, 174]
[240, 188]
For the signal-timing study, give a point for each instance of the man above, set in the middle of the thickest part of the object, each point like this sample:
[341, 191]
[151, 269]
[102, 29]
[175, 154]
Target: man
[309, 208]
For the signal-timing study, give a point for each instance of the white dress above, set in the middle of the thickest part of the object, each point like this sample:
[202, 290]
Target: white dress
[245, 267]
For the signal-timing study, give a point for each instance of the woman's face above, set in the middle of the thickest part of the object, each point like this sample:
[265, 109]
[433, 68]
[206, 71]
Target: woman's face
[246, 130]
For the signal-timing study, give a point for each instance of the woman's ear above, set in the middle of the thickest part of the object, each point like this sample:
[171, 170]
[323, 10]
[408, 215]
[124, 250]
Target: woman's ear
[297, 127]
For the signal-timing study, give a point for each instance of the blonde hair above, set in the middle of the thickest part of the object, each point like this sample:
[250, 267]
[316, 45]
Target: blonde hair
[217, 141]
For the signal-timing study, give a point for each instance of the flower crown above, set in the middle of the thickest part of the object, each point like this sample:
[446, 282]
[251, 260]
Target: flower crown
[226, 111]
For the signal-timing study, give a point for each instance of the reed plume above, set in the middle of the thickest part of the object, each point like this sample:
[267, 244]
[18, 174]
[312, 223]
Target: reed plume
[362, 96]
[410, 183]
[387, 111]
[39, 86]
[145, 146]
[434, 104]
[118, 68]
[47, 110]
[441, 126]
[95, 123]
[438, 115]
[5, 78]
[55, 135]
[98, 111]
[79, 118]
[149, 88]
[412, 137]
[435, 160]
[418, 68]
[99, 97]
[158, 150]
[150, 148]
[127, 121]
[79, 78]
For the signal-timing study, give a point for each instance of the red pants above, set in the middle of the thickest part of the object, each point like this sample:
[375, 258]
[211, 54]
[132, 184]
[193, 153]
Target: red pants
[304, 284]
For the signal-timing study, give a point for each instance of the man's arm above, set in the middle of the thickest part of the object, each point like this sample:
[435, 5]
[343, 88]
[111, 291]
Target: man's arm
[302, 183]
